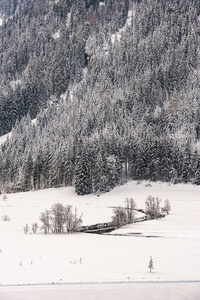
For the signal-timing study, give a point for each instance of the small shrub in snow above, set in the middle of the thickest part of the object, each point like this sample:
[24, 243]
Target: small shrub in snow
[74, 262]
[26, 229]
[35, 227]
[6, 218]
[4, 197]
[167, 207]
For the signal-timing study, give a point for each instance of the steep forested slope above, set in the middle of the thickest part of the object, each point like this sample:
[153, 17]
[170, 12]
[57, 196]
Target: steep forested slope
[118, 85]
[43, 50]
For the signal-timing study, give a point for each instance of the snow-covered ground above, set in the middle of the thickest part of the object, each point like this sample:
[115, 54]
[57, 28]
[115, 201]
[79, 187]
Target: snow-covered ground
[56, 35]
[112, 266]
[3, 138]
[15, 83]
[118, 35]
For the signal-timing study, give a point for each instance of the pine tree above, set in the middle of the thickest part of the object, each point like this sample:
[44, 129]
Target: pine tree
[154, 160]
[197, 172]
[99, 174]
[150, 266]
[186, 168]
[55, 171]
[83, 182]
[28, 173]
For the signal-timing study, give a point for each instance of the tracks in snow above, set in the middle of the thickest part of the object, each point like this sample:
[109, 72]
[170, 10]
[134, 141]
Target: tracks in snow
[98, 283]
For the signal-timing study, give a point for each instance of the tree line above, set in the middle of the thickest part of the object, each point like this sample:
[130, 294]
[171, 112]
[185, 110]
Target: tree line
[61, 218]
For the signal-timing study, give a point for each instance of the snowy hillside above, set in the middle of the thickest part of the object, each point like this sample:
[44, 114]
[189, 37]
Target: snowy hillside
[114, 87]
[173, 242]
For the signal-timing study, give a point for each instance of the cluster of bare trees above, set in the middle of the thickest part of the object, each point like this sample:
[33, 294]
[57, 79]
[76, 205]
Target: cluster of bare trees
[60, 219]
[124, 215]
[31, 229]
[153, 209]
[127, 214]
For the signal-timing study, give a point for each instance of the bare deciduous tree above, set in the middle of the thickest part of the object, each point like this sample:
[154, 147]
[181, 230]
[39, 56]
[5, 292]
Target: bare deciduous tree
[124, 215]
[167, 207]
[131, 210]
[119, 218]
[26, 229]
[5, 218]
[45, 219]
[34, 227]
[152, 207]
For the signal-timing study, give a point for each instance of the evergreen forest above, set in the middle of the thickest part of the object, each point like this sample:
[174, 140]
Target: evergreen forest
[95, 93]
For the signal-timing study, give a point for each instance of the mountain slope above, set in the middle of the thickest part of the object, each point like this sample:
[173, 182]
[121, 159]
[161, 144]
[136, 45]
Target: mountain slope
[119, 87]
[43, 50]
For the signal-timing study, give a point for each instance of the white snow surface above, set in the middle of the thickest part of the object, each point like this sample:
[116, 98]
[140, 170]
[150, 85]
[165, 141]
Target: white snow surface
[131, 14]
[1, 21]
[4, 137]
[15, 83]
[56, 35]
[101, 3]
[112, 266]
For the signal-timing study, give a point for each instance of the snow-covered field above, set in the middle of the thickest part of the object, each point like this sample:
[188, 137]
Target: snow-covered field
[112, 266]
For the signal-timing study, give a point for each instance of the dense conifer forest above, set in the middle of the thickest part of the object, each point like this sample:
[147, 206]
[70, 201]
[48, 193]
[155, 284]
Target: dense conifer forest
[99, 92]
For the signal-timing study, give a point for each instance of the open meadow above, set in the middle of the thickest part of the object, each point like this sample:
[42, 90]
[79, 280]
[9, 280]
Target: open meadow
[115, 264]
